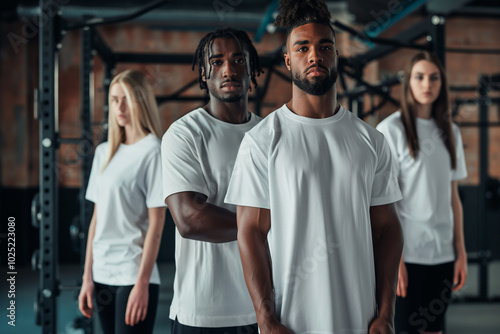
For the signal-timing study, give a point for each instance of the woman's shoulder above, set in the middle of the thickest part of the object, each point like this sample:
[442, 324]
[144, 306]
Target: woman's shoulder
[392, 119]
[102, 148]
[391, 124]
[151, 143]
[151, 137]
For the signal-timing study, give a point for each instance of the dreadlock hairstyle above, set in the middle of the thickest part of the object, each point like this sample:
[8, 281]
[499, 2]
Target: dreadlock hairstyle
[204, 51]
[295, 13]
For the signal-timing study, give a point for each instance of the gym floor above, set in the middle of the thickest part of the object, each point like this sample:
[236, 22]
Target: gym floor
[464, 317]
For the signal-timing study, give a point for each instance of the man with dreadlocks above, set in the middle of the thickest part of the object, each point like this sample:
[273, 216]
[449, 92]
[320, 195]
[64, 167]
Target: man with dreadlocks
[319, 239]
[198, 154]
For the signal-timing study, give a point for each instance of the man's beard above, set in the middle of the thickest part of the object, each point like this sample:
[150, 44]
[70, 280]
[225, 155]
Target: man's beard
[318, 85]
[230, 98]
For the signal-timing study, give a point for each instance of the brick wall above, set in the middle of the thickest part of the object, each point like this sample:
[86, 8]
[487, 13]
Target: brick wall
[19, 76]
[463, 69]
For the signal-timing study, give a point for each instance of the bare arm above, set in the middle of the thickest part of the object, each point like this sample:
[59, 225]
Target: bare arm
[460, 274]
[253, 226]
[137, 305]
[387, 248]
[196, 219]
[151, 243]
[87, 289]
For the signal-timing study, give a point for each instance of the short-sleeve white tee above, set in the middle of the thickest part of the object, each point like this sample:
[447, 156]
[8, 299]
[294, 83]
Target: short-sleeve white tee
[198, 154]
[319, 178]
[425, 212]
[123, 192]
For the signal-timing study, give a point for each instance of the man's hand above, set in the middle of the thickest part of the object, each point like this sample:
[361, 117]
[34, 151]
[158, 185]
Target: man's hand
[381, 326]
[275, 327]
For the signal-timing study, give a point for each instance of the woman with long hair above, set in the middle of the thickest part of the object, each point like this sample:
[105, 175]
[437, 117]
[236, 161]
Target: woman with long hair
[125, 231]
[428, 149]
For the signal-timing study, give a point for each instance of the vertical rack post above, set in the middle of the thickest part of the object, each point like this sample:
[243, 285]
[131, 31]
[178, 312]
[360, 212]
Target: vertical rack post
[48, 280]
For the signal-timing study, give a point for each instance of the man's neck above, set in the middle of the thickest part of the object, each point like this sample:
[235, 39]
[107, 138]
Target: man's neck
[229, 112]
[313, 106]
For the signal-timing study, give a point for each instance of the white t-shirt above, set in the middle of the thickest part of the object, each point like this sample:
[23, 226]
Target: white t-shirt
[198, 154]
[123, 192]
[425, 212]
[319, 178]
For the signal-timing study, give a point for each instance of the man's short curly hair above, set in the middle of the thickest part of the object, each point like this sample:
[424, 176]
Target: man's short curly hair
[295, 13]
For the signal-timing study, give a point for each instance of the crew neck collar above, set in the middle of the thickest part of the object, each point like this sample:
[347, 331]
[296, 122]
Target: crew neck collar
[314, 121]
[218, 121]
[149, 135]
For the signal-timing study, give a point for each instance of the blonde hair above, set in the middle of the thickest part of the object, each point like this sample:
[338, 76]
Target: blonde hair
[142, 105]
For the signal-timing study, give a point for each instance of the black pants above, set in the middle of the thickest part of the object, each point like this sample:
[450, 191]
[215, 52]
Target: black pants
[112, 304]
[178, 328]
[427, 297]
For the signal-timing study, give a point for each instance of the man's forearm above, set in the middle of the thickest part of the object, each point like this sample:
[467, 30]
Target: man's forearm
[387, 246]
[255, 259]
[215, 224]
[198, 220]
[387, 238]
[253, 227]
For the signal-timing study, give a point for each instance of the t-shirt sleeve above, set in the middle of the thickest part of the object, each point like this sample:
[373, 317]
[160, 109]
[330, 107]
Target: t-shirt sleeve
[181, 166]
[461, 171]
[385, 187]
[249, 185]
[152, 182]
[385, 128]
[91, 193]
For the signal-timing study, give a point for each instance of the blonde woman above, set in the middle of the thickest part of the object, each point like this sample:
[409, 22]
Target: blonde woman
[126, 227]
[429, 151]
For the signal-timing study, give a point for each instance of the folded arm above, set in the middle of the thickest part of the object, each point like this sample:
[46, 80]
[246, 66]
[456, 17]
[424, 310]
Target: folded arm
[196, 219]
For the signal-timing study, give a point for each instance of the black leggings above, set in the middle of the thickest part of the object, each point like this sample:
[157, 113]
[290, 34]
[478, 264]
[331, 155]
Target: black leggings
[428, 295]
[112, 304]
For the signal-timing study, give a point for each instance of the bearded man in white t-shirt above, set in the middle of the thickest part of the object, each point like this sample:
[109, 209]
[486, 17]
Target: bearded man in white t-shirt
[198, 154]
[319, 239]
